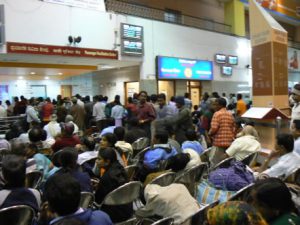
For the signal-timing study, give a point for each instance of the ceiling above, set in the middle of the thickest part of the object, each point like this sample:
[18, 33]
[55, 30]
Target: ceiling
[37, 67]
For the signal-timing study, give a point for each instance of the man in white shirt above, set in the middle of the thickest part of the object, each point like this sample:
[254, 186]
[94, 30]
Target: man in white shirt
[32, 114]
[295, 129]
[99, 113]
[52, 128]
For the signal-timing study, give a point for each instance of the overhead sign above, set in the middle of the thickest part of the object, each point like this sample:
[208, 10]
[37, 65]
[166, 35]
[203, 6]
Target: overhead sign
[87, 4]
[130, 31]
[184, 69]
[37, 49]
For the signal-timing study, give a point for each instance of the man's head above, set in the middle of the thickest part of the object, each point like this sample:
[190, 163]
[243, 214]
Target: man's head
[161, 137]
[161, 99]
[74, 100]
[179, 100]
[219, 104]
[284, 143]
[296, 128]
[62, 192]
[239, 96]
[36, 134]
[143, 96]
[296, 93]
[119, 133]
[14, 169]
[67, 128]
[178, 162]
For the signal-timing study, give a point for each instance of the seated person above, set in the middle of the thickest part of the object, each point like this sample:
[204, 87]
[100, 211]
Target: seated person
[287, 162]
[68, 160]
[67, 138]
[172, 140]
[171, 201]
[110, 129]
[113, 175]
[14, 191]
[134, 132]
[272, 198]
[246, 143]
[89, 151]
[63, 195]
[192, 142]
[119, 132]
[234, 213]
[52, 128]
[160, 151]
[70, 119]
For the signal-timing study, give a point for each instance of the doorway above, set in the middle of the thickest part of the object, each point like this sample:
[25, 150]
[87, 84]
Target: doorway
[66, 91]
[130, 89]
[167, 88]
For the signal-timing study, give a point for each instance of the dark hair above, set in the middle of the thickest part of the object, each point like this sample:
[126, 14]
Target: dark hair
[119, 132]
[68, 158]
[133, 121]
[62, 192]
[186, 95]
[297, 124]
[286, 140]
[31, 100]
[221, 102]
[14, 170]
[239, 96]
[172, 99]
[130, 100]
[7, 102]
[153, 97]
[297, 86]
[36, 134]
[111, 138]
[143, 92]
[108, 154]
[178, 162]
[273, 193]
[161, 95]
[89, 143]
[191, 135]
[162, 136]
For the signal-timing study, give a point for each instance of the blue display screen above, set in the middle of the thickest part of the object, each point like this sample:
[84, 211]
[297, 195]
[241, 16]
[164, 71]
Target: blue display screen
[184, 69]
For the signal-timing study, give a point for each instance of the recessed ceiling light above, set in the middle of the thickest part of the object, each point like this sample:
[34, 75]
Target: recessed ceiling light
[46, 78]
[32, 73]
[60, 74]
[20, 78]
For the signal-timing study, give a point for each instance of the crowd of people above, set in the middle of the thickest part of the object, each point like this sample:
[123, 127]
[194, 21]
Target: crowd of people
[80, 145]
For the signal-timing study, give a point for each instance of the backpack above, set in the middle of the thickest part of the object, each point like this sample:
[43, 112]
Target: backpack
[233, 178]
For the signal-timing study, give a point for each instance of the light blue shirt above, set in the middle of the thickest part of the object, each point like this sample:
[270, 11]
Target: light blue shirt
[195, 145]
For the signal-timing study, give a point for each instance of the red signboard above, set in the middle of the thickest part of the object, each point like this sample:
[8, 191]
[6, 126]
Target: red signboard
[25, 48]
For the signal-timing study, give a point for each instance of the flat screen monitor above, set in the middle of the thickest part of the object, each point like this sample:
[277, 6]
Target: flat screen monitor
[171, 68]
[226, 70]
[130, 47]
[220, 58]
[232, 60]
[130, 31]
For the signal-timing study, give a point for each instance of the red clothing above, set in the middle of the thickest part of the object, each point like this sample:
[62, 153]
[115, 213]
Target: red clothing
[146, 112]
[47, 110]
[62, 142]
[222, 128]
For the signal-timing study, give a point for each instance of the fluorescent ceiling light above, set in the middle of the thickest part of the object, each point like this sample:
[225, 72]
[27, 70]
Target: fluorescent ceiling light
[46, 78]
[32, 73]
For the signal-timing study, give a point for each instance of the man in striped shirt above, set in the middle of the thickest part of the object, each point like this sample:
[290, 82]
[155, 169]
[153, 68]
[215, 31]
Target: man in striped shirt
[222, 129]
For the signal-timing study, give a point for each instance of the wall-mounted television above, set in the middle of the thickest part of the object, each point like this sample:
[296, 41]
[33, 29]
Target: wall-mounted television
[129, 47]
[130, 31]
[232, 60]
[220, 58]
[171, 68]
[226, 70]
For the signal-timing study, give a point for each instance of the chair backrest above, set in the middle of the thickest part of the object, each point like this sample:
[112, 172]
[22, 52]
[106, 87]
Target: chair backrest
[140, 144]
[294, 177]
[17, 215]
[249, 158]
[130, 170]
[191, 177]
[86, 200]
[164, 179]
[34, 179]
[241, 194]
[200, 216]
[140, 155]
[124, 194]
[205, 156]
[224, 163]
[164, 221]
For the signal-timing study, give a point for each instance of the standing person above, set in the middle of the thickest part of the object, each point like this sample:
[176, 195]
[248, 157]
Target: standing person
[145, 113]
[222, 129]
[3, 112]
[187, 101]
[88, 107]
[98, 112]
[117, 113]
[10, 108]
[52, 128]
[224, 96]
[181, 122]
[32, 114]
[241, 106]
[204, 103]
[296, 108]
[61, 111]
[79, 102]
[163, 110]
[131, 108]
[47, 110]
[232, 99]
[78, 114]
[172, 104]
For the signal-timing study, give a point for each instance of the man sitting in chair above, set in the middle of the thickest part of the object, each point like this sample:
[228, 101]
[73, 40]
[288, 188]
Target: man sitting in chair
[63, 195]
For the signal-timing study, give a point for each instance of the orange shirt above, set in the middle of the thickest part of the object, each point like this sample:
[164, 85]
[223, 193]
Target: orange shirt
[241, 107]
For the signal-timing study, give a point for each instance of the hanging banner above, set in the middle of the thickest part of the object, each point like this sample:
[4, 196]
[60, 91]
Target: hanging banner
[284, 8]
[87, 4]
